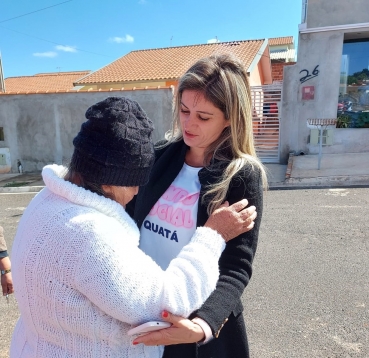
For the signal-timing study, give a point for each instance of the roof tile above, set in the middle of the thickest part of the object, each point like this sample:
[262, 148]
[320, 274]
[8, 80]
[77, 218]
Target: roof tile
[167, 63]
[42, 82]
[281, 41]
[147, 88]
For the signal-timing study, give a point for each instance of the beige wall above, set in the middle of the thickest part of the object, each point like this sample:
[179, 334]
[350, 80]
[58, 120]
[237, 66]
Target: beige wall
[261, 74]
[39, 128]
[255, 77]
[321, 13]
[266, 67]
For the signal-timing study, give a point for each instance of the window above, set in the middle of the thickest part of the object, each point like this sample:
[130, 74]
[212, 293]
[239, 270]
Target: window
[354, 81]
[1, 134]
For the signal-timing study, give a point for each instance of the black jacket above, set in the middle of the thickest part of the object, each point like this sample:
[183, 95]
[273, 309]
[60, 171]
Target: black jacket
[223, 309]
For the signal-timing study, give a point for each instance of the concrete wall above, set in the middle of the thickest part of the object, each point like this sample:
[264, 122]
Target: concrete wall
[321, 51]
[39, 128]
[324, 50]
[322, 13]
[345, 140]
[125, 85]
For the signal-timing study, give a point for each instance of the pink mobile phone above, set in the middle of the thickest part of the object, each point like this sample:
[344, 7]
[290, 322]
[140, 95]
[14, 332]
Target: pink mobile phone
[148, 327]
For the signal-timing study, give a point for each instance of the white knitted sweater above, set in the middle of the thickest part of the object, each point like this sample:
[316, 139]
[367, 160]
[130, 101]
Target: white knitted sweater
[81, 282]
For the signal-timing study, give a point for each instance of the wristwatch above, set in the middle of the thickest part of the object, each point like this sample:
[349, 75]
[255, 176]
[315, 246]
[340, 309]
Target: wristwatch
[3, 272]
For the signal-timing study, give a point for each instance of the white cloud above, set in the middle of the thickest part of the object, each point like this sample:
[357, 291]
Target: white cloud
[119, 40]
[66, 48]
[45, 54]
[213, 41]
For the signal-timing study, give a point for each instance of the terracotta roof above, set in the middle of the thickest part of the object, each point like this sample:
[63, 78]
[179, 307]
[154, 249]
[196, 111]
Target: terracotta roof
[146, 88]
[167, 63]
[281, 41]
[43, 82]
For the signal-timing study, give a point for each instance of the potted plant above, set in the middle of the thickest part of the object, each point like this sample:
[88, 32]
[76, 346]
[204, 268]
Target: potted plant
[363, 121]
[343, 121]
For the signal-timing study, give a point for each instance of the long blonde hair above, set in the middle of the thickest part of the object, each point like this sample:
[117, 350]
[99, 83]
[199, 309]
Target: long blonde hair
[222, 80]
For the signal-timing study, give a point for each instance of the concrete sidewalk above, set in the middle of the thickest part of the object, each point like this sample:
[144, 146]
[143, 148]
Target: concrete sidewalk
[21, 183]
[346, 169]
[337, 170]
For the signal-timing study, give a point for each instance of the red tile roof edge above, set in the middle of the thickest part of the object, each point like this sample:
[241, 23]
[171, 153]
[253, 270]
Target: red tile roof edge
[61, 73]
[85, 84]
[81, 81]
[283, 40]
[210, 44]
[69, 73]
[84, 91]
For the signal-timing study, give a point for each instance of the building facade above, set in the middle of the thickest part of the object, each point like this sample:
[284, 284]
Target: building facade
[330, 79]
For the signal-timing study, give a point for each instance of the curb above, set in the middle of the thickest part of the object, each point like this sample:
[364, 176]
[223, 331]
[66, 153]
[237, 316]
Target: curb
[342, 181]
[338, 181]
[20, 189]
[288, 184]
[289, 165]
[301, 186]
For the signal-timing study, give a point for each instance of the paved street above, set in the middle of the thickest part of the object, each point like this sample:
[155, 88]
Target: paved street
[309, 296]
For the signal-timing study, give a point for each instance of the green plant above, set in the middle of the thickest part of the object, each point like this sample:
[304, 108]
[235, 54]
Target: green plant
[343, 121]
[363, 120]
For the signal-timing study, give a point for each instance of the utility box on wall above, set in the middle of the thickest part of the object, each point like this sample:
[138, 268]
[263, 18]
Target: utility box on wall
[327, 136]
[5, 163]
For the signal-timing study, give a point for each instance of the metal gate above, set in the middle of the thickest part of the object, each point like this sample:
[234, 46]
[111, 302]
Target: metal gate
[266, 114]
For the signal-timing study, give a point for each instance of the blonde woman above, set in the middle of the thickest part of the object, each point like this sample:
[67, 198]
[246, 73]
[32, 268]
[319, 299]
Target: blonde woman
[208, 158]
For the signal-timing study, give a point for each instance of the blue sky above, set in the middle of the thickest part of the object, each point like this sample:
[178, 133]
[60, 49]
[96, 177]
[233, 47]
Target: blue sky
[73, 35]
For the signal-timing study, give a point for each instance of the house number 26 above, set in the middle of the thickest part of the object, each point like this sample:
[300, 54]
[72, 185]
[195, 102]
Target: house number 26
[309, 76]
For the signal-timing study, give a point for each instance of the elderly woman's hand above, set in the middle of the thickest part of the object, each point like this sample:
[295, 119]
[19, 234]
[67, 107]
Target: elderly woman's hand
[6, 279]
[7, 284]
[232, 220]
[182, 331]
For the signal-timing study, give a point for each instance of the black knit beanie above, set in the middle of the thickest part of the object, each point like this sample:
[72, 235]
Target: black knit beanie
[114, 145]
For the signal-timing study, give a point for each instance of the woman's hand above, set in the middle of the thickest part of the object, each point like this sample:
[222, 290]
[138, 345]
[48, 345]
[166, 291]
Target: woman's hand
[232, 220]
[6, 280]
[7, 284]
[182, 331]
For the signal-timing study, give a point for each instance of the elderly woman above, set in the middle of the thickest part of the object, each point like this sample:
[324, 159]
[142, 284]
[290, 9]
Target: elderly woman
[81, 281]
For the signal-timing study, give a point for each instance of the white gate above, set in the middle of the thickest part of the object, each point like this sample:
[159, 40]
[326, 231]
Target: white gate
[266, 114]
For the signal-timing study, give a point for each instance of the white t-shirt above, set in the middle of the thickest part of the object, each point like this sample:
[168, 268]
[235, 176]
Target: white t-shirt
[172, 221]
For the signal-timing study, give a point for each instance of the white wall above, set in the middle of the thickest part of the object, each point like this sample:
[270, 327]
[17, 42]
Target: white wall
[39, 128]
